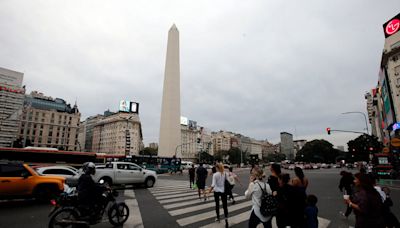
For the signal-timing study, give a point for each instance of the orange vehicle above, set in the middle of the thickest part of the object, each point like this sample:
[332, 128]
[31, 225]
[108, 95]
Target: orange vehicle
[19, 180]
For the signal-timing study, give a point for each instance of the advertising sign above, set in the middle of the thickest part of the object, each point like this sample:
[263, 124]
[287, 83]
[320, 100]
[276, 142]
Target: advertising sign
[124, 106]
[134, 107]
[184, 121]
[192, 125]
[392, 26]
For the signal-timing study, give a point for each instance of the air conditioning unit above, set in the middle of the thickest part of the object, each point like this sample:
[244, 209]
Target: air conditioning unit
[395, 58]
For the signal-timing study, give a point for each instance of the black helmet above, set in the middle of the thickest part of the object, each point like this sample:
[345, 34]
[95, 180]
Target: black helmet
[89, 168]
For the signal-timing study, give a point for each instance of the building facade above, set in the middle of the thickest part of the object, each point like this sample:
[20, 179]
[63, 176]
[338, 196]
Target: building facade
[298, 144]
[287, 145]
[118, 134]
[383, 102]
[11, 102]
[48, 122]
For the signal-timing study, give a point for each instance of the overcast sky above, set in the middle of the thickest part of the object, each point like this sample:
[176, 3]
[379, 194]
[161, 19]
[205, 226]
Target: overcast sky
[252, 67]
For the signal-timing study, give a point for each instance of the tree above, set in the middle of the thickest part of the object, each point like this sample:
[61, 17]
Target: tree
[318, 150]
[149, 151]
[361, 147]
[275, 157]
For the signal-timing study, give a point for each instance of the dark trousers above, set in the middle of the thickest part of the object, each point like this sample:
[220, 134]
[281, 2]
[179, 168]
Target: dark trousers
[230, 194]
[224, 203]
[348, 211]
[191, 179]
[254, 221]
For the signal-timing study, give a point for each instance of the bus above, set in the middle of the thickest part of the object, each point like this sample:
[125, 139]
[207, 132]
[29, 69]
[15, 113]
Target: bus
[44, 156]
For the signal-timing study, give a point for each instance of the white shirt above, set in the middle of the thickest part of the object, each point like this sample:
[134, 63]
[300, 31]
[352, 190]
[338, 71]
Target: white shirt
[255, 192]
[218, 182]
[382, 193]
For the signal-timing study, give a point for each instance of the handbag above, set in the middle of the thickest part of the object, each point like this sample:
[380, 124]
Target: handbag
[227, 186]
[194, 186]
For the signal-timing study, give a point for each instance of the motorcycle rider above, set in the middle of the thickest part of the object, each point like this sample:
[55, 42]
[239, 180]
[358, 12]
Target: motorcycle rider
[88, 191]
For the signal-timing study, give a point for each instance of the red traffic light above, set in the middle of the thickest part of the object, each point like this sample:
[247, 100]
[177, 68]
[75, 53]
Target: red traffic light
[328, 129]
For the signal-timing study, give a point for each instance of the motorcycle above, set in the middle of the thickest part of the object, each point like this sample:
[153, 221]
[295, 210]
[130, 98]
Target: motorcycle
[68, 213]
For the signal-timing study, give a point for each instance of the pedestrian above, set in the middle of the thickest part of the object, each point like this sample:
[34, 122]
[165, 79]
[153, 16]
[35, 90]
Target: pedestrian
[201, 174]
[234, 178]
[366, 203]
[255, 192]
[311, 212]
[286, 198]
[390, 219]
[192, 172]
[300, 184]
[218, 186]
[346, 185]
[273, 178]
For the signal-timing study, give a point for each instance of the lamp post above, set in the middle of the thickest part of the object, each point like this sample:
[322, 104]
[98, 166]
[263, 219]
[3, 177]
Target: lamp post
[365, 118]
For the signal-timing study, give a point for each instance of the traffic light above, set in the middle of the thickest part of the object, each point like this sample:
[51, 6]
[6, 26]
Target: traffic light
[328, 129]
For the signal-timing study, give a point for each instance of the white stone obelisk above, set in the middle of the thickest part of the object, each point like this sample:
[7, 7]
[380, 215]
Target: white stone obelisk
[170, 127]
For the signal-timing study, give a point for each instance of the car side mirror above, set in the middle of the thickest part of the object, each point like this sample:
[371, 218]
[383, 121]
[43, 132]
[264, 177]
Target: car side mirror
[140, 169]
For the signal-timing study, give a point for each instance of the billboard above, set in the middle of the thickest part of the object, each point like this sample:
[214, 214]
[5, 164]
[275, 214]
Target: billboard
[392, 26]
[192, 125]
[128, 106]
[184, 121]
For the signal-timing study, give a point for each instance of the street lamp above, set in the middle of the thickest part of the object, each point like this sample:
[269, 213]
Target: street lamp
[365, 118]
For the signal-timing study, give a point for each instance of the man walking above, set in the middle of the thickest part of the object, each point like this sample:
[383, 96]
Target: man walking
[201, 174]
[191, 175]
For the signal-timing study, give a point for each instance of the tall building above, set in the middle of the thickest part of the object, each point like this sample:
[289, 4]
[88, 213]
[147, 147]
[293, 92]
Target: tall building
[298, 145]
[170, 128]
[86, 132]
[48, 122]
[118, 134]
[383, 103]
[11, 101]
[221, 141]
[190, 139]
[287, 145]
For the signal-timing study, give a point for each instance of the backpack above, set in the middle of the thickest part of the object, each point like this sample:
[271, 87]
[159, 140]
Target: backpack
[269, 203]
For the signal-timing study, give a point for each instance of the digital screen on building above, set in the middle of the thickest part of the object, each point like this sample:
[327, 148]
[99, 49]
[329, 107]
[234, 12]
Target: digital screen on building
[124, 106]
[392, 26]
[184, 121]
[134, 107]
[192, 125]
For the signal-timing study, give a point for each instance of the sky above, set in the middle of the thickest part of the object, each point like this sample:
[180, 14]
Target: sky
[256, 68]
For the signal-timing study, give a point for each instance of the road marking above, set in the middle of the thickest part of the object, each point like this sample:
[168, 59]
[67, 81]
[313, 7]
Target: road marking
[177, 195]
[172, 192]
[183, 198]
[199, 207]
[211, 214]
[135, 217]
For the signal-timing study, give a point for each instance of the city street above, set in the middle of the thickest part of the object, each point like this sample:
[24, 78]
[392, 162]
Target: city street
[172, 204]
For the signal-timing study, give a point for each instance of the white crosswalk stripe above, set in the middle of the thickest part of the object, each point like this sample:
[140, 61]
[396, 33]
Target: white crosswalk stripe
[135, 217]
[183, 203]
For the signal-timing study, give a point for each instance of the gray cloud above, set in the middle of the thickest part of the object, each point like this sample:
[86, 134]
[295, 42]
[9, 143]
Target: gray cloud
[256, 68]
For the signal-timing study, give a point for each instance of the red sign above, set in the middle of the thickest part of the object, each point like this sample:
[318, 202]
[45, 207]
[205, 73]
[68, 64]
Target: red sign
[392, 26]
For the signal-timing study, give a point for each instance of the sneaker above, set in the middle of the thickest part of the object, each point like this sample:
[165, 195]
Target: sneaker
[217, 220]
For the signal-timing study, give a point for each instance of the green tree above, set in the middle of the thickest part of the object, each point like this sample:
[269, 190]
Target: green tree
[361, 147]
[149, 151]
[317, 150]
[275, 157]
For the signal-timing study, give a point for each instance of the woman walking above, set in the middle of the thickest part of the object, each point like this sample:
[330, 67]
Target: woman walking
[346, 186]
[255, 191]
[300, 184]
[366, 203]
[218, 185]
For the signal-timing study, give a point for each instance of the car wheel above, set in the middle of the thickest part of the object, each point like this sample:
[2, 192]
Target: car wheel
[149, 182]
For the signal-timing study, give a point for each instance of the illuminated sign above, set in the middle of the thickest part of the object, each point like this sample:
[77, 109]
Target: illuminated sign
[184, 121]
[128, 106]
[392, 26]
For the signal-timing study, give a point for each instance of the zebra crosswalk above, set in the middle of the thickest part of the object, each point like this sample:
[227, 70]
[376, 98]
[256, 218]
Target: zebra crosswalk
[184, 205]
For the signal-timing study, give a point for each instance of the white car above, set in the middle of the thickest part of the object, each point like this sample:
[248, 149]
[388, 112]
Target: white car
[57, 170]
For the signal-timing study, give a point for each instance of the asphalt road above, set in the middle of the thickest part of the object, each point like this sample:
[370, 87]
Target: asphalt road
[151, 213]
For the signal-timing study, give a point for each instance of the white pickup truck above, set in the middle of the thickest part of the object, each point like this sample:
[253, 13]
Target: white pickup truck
[115, 173]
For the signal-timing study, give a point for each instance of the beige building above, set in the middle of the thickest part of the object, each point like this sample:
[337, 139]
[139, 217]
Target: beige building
[118, 134]
[221, 141]
[11, 101]
[256, 148]
[48, 122]
[269, 148]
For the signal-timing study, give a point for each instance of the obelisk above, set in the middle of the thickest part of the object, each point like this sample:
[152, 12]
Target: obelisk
[170, 131]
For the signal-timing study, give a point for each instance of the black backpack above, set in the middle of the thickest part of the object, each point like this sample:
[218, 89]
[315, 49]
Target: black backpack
[269, 203]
